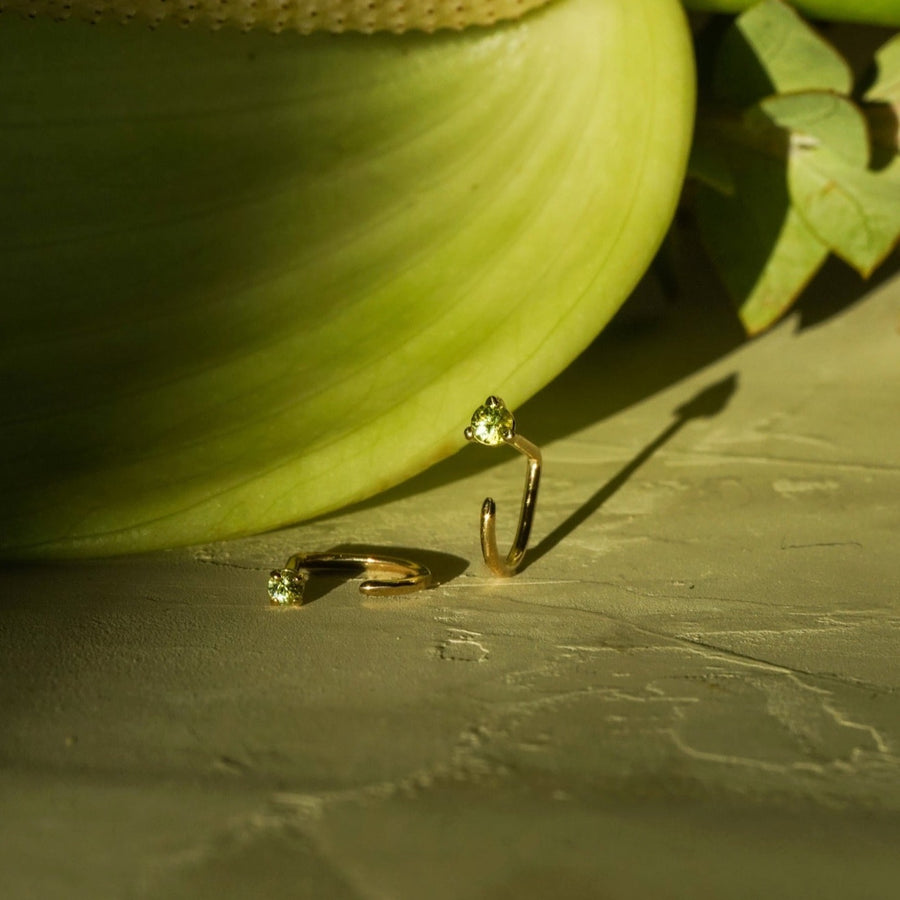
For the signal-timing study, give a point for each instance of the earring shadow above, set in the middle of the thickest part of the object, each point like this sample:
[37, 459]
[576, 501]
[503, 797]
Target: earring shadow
[444, 567]
[707, 403]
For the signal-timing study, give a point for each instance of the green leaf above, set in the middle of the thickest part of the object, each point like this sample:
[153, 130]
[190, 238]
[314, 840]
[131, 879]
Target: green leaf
[762, 245]
[798, 151]
[771, 49]
[250, 278]
[763, 248]
[816, 119]
[886, 86]
[869, 12]
[883, 98]
[708, 166]
[854, 211]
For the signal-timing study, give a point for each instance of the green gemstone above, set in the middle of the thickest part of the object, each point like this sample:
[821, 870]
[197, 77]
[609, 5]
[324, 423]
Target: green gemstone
[286, 586]
[491, 422]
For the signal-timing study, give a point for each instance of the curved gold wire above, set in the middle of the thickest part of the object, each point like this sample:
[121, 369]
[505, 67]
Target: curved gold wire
[286, 586]
[493, 424]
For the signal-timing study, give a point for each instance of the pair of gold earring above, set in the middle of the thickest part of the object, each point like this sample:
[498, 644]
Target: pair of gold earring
[492, 425]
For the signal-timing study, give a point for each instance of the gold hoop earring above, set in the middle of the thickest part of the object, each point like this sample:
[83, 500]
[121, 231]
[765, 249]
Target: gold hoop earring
[287, 585]
[493, 424]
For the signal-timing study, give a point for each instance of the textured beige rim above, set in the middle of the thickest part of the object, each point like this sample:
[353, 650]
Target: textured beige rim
[305, 16]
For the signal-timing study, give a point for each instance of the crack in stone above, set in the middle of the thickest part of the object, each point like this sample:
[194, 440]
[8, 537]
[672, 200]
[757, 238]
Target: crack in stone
[746, 658]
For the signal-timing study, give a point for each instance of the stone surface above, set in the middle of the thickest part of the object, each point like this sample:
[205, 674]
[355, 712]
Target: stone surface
[692, 689]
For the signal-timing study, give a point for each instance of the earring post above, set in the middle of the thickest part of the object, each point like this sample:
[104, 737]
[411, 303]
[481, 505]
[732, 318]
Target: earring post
[493, 424]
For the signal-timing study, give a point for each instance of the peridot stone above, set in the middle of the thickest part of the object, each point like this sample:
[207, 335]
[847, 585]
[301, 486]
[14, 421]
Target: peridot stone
[491, 422]
[286, 586]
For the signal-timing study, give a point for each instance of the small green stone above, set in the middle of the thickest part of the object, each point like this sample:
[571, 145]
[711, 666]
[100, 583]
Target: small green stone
[286, 586]
[491, 421]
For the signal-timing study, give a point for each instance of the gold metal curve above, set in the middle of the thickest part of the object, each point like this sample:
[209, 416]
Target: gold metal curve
[404, 576]
[493, 424]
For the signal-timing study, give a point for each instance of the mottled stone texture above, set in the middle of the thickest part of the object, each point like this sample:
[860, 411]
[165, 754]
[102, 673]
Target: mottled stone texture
[690, 691]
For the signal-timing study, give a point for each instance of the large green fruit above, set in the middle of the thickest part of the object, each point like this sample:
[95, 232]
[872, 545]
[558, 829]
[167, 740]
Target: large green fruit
[249, 278]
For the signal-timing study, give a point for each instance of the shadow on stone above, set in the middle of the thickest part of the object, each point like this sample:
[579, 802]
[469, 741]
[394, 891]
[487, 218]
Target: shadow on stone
[709, 402]
[444, 567]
